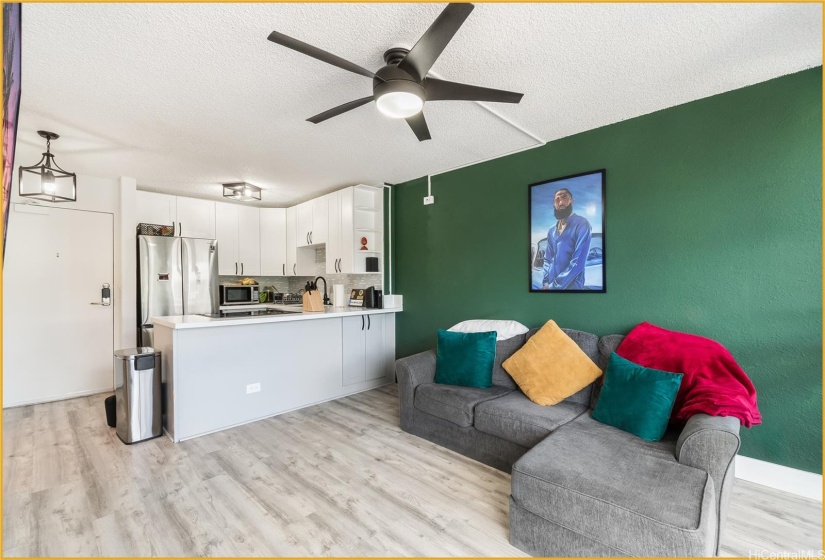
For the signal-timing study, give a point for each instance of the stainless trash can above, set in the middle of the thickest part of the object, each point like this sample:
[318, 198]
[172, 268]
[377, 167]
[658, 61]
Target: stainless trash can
[137, 394]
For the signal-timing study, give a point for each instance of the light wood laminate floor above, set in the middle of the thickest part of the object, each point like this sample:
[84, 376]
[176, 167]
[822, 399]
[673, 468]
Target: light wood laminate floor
[336, 479]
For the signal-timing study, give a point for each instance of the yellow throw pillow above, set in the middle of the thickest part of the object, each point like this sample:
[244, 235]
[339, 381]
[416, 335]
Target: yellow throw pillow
[550, 366]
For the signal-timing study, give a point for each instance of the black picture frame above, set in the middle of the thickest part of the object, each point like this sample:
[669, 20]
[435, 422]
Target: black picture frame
[588, 191]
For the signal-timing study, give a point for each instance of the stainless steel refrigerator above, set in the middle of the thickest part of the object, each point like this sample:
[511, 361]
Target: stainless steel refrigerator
[177, 276]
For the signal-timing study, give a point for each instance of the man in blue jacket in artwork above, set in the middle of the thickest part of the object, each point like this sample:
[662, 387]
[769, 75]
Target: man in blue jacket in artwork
[568, 243]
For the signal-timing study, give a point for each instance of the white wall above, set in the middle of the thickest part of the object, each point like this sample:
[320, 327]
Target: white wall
[99, 194]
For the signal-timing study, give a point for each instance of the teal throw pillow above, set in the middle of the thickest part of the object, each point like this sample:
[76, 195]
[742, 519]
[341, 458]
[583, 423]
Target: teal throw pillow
[637, 399]
[465, 358]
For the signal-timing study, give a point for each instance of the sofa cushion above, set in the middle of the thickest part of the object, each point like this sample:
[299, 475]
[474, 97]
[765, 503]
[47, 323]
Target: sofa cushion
[551, 366]
[589, 344]
[465, 358]
[618, 490]
[452, 402]
[637, 399]
[505, 349]
[504, 329]
[607, 345]
[516, 418]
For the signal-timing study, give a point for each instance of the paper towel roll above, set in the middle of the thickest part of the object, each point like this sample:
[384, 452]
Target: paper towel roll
[339, 298]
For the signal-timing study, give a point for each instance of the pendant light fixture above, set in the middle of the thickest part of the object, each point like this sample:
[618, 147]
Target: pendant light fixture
[45, 180]
[241, 191]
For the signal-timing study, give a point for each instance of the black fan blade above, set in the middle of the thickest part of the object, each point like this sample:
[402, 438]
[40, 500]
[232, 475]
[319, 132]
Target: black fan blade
[439, 90]
[339, 109]
[317, 53]
[428, 48]
[419, 125]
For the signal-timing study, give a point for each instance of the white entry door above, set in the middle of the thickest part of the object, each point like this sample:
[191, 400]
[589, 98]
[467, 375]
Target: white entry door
[58, 342]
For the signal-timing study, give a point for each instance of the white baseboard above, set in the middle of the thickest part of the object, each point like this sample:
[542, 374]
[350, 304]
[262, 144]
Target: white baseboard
[55, 398]
[802, 483]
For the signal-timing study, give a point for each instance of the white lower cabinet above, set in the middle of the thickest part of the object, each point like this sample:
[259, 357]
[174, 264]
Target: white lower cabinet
[354, 350]
[365, 348]
[223, 376]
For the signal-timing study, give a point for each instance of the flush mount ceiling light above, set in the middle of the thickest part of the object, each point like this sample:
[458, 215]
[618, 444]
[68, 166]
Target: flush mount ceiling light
[45, 180]
[241, 191]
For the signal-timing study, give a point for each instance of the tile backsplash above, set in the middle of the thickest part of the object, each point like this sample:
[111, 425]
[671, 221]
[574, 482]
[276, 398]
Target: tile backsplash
[291, 284]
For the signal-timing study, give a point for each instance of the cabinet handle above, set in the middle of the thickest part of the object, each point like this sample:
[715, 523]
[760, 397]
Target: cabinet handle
[180, 228]
[293, 268]
[236, 269]
[283, 269]
[362, 322]
[241, 269]
[369, 323]
[307, 238]
[310, 238]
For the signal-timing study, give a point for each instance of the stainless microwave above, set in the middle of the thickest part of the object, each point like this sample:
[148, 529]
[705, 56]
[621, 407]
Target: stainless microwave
[234, 294]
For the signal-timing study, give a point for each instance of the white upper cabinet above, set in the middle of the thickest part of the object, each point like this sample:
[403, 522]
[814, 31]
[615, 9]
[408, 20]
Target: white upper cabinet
[226, 230]
[155, 208]
[239, 240]
[333, 251]
[273, 242]
[249, 240]
[320, 220]
[195, 217]
[304, 223]
[312, 222]
[291, 241]
[191, 217]
[356, 229]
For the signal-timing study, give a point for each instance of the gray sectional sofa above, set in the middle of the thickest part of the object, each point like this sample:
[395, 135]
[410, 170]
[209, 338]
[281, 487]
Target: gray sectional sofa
[579, 487]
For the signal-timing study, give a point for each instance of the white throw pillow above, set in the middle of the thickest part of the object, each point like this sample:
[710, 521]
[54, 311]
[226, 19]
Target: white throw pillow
[504, 329]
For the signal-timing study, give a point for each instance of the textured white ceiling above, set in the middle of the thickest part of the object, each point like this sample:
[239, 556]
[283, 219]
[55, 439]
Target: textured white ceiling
[186, 96]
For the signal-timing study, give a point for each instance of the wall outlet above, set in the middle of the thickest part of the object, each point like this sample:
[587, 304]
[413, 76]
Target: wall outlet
[429, 200]
[254, 388]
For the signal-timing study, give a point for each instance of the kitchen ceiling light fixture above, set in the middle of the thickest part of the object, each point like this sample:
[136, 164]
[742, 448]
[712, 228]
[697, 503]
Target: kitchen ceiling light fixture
[45, 180]
[241, 191]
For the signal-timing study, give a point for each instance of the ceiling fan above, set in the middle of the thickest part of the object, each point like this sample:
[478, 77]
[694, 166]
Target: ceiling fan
[401, 88]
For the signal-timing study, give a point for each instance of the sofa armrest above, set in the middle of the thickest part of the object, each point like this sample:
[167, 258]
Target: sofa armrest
[412, 371]
[710, 443]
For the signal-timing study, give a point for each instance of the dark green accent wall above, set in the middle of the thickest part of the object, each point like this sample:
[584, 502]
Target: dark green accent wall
[713, 212]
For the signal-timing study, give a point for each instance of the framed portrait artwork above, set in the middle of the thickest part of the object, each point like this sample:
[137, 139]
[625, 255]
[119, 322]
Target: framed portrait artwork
[567, 249]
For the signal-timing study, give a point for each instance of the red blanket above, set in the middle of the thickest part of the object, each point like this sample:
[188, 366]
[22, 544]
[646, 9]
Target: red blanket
[713, 382]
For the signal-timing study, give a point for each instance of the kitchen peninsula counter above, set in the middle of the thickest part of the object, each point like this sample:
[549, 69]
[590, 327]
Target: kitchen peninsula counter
[223, 372]
[294, 314]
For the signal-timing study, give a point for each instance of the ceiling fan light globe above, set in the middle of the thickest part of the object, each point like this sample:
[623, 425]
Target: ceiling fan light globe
[399, 104]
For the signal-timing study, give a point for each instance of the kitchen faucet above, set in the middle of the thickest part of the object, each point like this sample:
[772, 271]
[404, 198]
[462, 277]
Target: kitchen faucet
[326, 297]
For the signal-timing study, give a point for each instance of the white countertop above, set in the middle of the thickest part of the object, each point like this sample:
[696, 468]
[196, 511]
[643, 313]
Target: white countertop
[198, 321]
